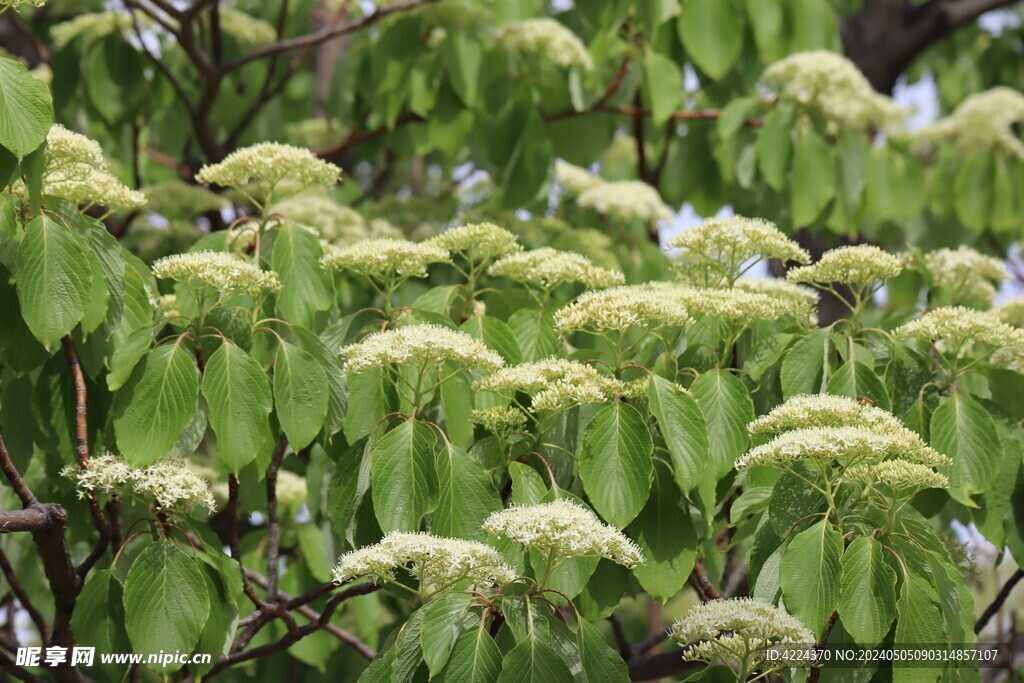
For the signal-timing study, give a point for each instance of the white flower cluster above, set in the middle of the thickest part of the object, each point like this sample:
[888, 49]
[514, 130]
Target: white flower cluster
[170, 482]
[801, 301]
[738, 631]
[552, 383]
[626, 200]
[423, 344]
[548, 268]
[959, 328]
[245, 28]
[831, 85]
[860, 266]
[499, 420]
[218, 269]
[477, 241]
[986, 119]
[719, 249]
[547, 38]
[333, 222]
[563, 529]
[76, 170]
[619, 308]
[737, 306]
[843, 446]
[292, 489]
[965, 273]
[15, 4]
[898, 475]
[824, 410]
[385, 259]
[438, 562]
[314, 133]
[166, 306]
[270, 167]
[1011, 311]
[175, 198]
[575, 180]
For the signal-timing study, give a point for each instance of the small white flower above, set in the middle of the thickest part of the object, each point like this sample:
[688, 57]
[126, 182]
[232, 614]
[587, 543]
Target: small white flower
[270, 170]
[477, 241]
[171, 482]
[898, 474]
[220, 270]
[385, 259]
[824, 410]
[548, 38]
[548, 268]
[985, 119]
[619, 308]
[553, 383]
[626, 200]
[861, 266]
[423, 344]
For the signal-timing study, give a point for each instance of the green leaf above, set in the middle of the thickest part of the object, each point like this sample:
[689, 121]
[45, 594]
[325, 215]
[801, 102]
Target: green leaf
[444, 620]
[681, 423]
[337, 399]
[734, 115]
[306, 287]
[775, 146]
[496, 334]
[98, 620]
[26, 109]
[404, 480]
[855, 379]
[727, 410]
[465, 495]
[766, 23]
[664, 83]
[531, 661]
[810, 573]
[475, 659]
[457, 403]
[53, 279]
[814, 177]
[133, 333]
[972, 190]
[156, 404]
[712, 33]
[962, 429]
[300, 394]
[600, 663]
[615, 462]
[114, 79]
[535, 332]
[363, 415]
[867, 595]
[1006, 200]
[348, 486]
[919, 622]
[240, 401]
[804, 365]
[166, 602]
[668, 541]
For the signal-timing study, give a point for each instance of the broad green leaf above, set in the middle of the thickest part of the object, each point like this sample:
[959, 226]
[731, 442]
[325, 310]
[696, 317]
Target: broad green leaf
[727, 411]
[156, 404]
[810, 572]
[133, 333]
[600, 663]
[363, 415]
[166, 602]
[681, 423]
[962, 429]
[532, 661]
[98, 620]
[867, 595]
[239, 400]
[805, 364]
[496, 335]
[404, 479]
[26, 109]
[734, 115]
[972, 190]
[667, 539]
[306, 287]
[475, 659]
[301, 394]
[465, 495]
[114, 79]
[775, 147]
[883, 196]
[664, 83]
[1006, 200]
[813, 181]
[712, 33]
[918, 622]
[535, 333]
[766, 23]
[464, 57]
[457, 404]
[348, 486]
[53, 279]
[855, 379]
[615, 463]
[338, 396]
[444, 620]
[815, 26]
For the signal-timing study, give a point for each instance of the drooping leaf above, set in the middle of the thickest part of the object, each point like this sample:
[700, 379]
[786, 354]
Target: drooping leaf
[532, 661]
[775, 147]
[26, 109]
[712, 33]
[239, 399]
[667, 539]
[682, 425]
[855, 379]
[404, 478]
[804, 365]
[444, 621]
[615, 462]
[301, 394]
[814, 177]
[962, 429]
[465, 495]
[475, 659]
[867, 595]
[810, 573]
[727, 410]
[306, 287]
[664, 83]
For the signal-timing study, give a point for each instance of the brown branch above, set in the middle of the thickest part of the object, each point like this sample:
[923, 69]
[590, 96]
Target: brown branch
[23, 598]
[8, 665]
[661, 665]
[273, 521]
[13, 477]
[625, 647]
[18, 25]
[638, 138]
[358, 137]
[1000, 599]
[236, 552]
[31, 519]
[322, 35]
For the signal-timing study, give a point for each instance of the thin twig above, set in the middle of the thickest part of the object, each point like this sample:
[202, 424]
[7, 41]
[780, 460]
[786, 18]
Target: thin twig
[23, 598]
[273, 521]
[999, 600]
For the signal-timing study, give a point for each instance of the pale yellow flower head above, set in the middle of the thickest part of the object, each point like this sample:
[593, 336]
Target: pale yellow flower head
[984, 120]
[619, 308]
[93, 25]
[719, 250]
[548, 268]
[831, 85]
[563, 529]
[844, 446]
[824, 410]
[728, 630]
[76, 170]
[553, 383]
[292, 489]
[438, 562]
[245, 28]
[1011, 311]
[958, 328]
[477, 241]
[170, 482]
[802, 301]
[499, 420]
[965, 273]
[859, 266]
[385, 259]
[315, 133]
[575, 180]
[270, 170]
[626, 200]
[425, 344]
[898, 475]
[217, 269]
[547, 38]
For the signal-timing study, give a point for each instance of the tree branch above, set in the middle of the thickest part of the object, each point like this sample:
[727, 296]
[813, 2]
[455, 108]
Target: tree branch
[1000, 599]
[23, 598]
[273, 521]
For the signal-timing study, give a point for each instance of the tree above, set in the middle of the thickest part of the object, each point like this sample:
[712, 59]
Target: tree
[343, 337]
